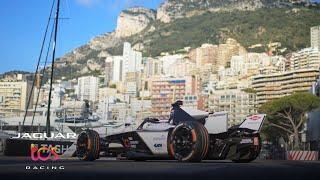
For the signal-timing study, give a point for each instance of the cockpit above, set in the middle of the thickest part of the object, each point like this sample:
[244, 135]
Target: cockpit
[178, 114]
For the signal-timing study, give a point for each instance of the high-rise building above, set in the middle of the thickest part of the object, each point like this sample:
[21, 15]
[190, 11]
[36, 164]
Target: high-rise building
[191, 101]
[132, 60]
[108, 70]
[168, 61]
[88, 88]
[226, 51]
[105, 92]
[254, 62]
[57, 97]
[272, 86]
[112, 108]
[247, 65]
[153, 67]
[306, 58]
[132, 83]
[117, 68]
[237, 64]
[238, 103]
[58, 94]
[164, 92]
[315, 36]
[207, 54]
[140, 108]
[181, 68]
[14, 96]
[192, 85]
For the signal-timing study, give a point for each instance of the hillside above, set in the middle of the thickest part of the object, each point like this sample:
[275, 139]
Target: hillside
[290, 27]
[264, 24]
[171, 10]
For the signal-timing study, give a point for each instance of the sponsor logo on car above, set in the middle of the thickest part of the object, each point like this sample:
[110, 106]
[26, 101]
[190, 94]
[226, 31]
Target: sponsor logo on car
[246, 141]
[134, 142]
[254, 117]
[157, 145]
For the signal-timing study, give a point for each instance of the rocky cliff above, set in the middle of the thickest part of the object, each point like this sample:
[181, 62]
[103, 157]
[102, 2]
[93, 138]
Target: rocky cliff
[133, 21]
[175, 9]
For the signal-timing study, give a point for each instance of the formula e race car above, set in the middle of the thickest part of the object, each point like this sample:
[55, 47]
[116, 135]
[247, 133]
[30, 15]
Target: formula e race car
[189, 136]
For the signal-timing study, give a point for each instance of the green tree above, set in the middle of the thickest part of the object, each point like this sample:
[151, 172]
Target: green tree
[288, 114]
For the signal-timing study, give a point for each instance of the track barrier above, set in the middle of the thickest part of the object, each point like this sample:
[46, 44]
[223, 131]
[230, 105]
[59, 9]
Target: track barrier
[302, 155]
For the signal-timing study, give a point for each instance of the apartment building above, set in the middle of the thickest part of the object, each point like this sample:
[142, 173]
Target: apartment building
[207, 54]
[164, 92]
[132, 60]
[276, 85]
[236, 102]
[88, 88]
[315, 36]
[306, 58]
[226, 51]
[14, 97]
[153, 67]
[109, 70]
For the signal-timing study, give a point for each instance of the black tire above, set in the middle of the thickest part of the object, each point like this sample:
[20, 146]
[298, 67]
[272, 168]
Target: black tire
[188, 142]
[88, 145]
[97, 144]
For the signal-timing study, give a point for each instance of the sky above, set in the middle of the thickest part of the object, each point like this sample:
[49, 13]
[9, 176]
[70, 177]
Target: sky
[23, 22]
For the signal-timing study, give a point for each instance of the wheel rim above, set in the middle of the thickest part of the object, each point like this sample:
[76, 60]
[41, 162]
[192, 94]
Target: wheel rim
[182, 143]
[82, 145]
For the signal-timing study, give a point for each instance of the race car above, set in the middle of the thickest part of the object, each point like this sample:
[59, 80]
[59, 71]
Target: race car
[189, 135]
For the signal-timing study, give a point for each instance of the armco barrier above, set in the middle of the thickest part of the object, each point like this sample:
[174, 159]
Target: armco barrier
[302, 155]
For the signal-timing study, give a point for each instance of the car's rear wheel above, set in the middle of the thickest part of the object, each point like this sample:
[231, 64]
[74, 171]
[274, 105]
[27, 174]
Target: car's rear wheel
[188, 142]
[88, 145]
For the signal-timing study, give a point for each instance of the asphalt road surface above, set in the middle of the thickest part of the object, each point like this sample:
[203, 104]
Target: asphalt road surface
[109, 169]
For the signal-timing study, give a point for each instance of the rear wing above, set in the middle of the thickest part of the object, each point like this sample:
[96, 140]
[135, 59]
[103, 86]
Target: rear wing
[253, 122]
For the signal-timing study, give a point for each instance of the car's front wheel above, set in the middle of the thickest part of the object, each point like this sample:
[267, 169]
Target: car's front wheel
[88, 145]
[188, 142]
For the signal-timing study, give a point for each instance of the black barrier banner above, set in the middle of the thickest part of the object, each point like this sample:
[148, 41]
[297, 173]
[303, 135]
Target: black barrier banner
[22, 147]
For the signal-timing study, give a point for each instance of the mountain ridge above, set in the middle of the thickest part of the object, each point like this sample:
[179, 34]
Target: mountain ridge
[284, 22]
